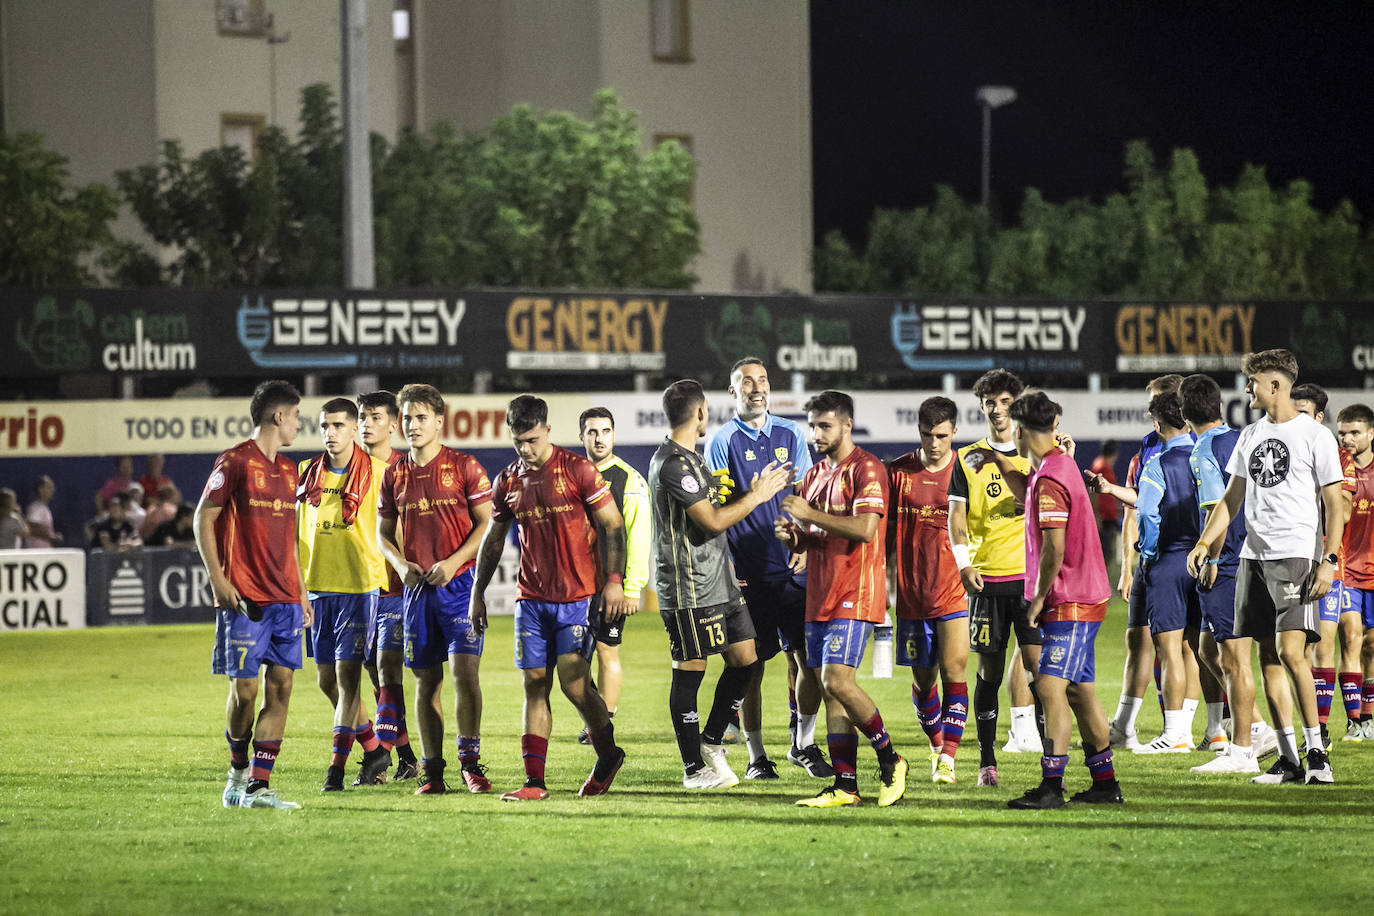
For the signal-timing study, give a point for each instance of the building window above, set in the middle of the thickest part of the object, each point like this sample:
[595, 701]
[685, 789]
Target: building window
[684, 141]
[242, 18]
[672, 33]
[241, 130]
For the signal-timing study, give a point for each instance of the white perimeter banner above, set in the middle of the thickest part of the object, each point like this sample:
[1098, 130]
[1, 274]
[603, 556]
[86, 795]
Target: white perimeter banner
[42, 590]
[211, 425]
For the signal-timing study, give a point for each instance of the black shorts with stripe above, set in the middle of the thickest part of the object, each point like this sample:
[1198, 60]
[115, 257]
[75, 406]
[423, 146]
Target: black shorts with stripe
[697, 633]
[995, 613]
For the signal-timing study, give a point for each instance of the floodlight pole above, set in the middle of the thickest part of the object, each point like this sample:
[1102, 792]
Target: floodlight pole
[990, 97]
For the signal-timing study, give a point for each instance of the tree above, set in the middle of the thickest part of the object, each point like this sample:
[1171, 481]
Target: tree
[49, 231]
[1168, 235]
[540, 199]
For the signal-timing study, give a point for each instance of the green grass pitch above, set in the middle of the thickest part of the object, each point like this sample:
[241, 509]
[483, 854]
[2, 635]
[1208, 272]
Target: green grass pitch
[113, 764]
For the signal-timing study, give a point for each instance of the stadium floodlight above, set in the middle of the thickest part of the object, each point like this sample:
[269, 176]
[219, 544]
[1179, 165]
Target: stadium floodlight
[990, 97]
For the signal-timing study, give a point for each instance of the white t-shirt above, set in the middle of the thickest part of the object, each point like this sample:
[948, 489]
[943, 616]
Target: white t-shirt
[1285, 466]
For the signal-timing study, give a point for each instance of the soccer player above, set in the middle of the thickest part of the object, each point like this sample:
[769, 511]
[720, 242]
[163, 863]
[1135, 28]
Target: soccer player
[1066, 585]
[1108, 509]
[774, 578]
[565, 512]
[987, 534]
[1135, 678]
[1201, 397]
[701, 605]
[1289, 456]
[932, 608]
[1167, 519]
[838, 520]
[245, 518]
[441, 499]
[1337, 614]
[380, 415]
[1355, 426]
[596, 428]
[343, 569]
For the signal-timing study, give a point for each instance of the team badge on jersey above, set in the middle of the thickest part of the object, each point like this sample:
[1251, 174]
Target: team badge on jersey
[1057, 654]
[689, 484]
[780, 453]
[835, 643]
[259, 479]
[749, 455]
[1268, 465]
[446, 478]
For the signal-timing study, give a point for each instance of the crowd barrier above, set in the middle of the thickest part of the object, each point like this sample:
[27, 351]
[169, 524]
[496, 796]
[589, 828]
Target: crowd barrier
[71, 589]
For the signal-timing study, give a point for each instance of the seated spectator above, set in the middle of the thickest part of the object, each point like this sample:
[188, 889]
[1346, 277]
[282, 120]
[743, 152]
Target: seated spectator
[42, 534]
[177, 531]
[12, 526]
[123, 477]
[153, 480]
[115, 531]
[163, 508]
[133, 506]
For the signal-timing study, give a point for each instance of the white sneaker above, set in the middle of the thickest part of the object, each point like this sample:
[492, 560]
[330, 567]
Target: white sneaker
[1282, 771]
[1217, 744]
[714, 755]
[1166, 744]
[1119, 738]
[233, 789]
[1229, 762]
[705, 778]
[1265, 741]
[266, 797]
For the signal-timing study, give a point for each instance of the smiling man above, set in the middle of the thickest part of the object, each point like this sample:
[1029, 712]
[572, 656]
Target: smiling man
[441, 499]
[1279, 462]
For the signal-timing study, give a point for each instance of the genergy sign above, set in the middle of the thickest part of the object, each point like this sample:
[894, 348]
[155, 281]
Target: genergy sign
[1182, 338]
[586, 332]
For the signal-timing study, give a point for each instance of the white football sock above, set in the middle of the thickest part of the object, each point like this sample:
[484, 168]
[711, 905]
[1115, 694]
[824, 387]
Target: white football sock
[1287, 746]
[1313, 737]
[1126, 711]
[806, 730]
[1189, 712]
[754, 741]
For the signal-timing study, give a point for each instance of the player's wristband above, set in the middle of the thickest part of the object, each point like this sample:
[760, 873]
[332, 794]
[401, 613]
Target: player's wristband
[1213, 562]
[961, 556]
[615, 579]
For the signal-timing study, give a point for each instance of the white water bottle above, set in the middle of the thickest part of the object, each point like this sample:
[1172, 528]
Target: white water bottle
[882, 648]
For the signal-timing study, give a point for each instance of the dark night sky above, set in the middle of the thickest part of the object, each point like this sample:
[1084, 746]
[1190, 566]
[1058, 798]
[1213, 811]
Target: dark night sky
[1286, 86]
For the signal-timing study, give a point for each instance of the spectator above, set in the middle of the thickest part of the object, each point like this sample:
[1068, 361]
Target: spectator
[164, 507]
[12, 527]
[115, 531]
[1108, 508]
[42, 534]
[123, 477]
[153, 480]
[177, 531]
[133, 506]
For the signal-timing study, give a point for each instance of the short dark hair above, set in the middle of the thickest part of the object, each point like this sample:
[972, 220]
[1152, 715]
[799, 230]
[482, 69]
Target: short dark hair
[996, 381]
[1356, 413]
[1310, 392]
[1278, 360]
[1035, 411]
[592, 413]
[419, 393]
[1109, 448]
[831, 401]
[1201, 397]
[747, 361]
[937, 410]
[525, 413]
[383, 399]
[680, 400]
[184, 510]
[1168, 409]
[269, 396]
[341, 405]
[1165, 384]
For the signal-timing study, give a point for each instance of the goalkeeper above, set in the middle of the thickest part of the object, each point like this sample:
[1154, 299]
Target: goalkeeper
[772, 578]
